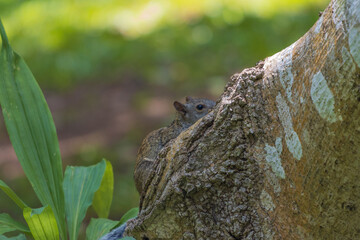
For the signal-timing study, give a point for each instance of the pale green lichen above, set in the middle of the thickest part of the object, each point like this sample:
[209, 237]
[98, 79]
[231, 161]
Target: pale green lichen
[285, 73]
[291, 138]
[354, 29]
[283, 62]
[273, 158]
[266, 201]
[318, 25]
[323, 98]
[354, 43]
[345, 68]
[338, 12]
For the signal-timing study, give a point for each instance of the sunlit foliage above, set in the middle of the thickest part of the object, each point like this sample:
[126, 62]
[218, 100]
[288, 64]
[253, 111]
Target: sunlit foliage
[159, 41]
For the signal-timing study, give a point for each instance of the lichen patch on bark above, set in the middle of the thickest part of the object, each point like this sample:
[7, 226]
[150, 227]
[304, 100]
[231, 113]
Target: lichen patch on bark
[323, 98]
[273, 158]
[291, 138]
[337, 16]
[354, 43]
[318, 25]
[266, 201]
[282, 61]
[353, 20]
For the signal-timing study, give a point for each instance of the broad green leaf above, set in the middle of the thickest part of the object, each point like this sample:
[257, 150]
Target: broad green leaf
[80, 185]
[12, 195]
[98, 227]
[103, 196]
[7, 224]
[127, 238]
[31, 129]
[42, 223]
[18, 237]
[132, 213]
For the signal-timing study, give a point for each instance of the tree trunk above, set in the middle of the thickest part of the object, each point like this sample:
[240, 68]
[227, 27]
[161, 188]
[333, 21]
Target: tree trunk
[279, 157]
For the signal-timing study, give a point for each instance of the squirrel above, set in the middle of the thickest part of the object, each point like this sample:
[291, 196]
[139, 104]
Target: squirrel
[186, 115]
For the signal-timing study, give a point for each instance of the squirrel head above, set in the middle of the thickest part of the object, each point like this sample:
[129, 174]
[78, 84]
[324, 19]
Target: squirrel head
[193, 109]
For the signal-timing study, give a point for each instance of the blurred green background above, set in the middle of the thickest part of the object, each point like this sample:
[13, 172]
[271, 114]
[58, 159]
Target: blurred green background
[110, 69]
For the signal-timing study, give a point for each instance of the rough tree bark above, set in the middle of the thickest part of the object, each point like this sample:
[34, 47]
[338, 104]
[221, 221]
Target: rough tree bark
[279, 157]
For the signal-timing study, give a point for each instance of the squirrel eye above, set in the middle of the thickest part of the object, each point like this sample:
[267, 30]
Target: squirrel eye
[199, 107]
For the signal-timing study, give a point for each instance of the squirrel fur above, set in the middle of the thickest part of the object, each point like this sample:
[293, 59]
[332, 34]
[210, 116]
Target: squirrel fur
[186, 115]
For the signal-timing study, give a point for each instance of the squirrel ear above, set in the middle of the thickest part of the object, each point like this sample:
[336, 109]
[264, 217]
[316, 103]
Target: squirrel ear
[189, 99]
[180, 107]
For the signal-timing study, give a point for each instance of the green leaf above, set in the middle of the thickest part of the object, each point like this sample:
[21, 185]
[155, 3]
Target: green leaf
[31, 129]
[12, 195]
[7, 224]
[128, 238]
[103, 196]
[42, 223]
[18, 237]
[132, 213]
[80, 185]
[98, 227]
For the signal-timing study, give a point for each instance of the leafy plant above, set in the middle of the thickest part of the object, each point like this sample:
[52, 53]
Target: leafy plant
[32, 132]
